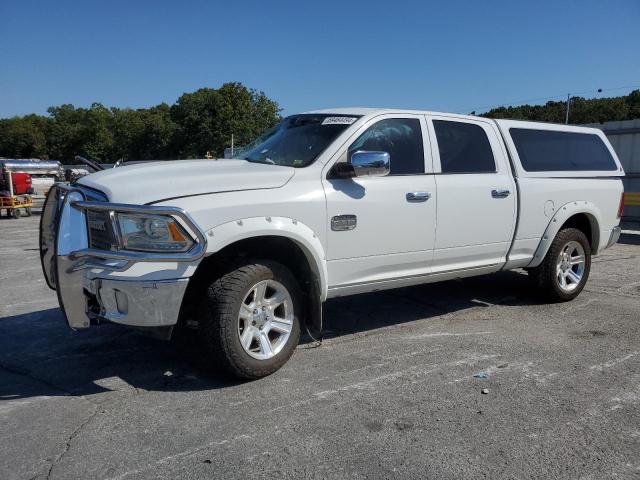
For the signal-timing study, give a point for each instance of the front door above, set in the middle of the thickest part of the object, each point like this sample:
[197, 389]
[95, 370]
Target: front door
[394, 215]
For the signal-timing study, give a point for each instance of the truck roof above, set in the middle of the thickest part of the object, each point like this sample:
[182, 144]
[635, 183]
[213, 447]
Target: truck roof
[377, 111]
[361, 111]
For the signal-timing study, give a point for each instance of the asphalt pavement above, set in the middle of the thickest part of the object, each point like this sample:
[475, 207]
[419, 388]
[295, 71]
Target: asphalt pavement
[391, 393]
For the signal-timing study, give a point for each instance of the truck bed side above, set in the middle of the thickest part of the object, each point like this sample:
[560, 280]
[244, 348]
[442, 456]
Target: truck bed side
[549, 199]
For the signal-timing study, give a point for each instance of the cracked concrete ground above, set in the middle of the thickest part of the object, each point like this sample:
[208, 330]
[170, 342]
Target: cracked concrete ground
[390, 394]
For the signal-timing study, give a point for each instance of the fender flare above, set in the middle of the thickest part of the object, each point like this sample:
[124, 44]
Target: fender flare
[225, 234]
[563, 213]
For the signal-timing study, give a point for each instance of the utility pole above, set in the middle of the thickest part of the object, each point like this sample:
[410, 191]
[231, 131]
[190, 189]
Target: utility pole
[232, 155]
[566, 118]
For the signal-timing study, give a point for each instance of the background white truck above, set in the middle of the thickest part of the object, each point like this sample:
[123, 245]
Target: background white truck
[325, 204]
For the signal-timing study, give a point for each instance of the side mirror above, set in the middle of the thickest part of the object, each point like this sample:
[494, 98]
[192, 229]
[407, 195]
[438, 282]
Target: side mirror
[363, 164]
[370, 164]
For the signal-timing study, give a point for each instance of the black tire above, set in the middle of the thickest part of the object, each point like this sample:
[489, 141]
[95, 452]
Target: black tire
[16, 213]
[28, 210]
[218, 319]
[545, 275]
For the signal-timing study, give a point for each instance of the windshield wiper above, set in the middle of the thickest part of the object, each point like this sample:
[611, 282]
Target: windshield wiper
[268, 161]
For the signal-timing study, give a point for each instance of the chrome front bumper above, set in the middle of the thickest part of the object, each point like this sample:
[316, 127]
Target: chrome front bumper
[85, 297]
[139, 304]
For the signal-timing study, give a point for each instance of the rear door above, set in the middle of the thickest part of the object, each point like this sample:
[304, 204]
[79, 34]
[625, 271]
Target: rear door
[476, 208]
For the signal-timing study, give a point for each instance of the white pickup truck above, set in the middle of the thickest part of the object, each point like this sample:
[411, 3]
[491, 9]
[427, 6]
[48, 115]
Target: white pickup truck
[326, 204]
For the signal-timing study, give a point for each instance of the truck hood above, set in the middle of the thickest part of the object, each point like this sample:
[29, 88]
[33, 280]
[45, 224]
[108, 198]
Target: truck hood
[151, 182]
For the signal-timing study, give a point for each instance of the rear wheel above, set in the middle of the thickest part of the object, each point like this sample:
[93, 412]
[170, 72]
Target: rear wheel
[565, 269]
[249, 319]
[28, 210]
[16, 213]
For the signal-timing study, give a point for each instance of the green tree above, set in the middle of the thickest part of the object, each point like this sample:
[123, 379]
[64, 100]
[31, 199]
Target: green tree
[198, 122]
[156, 138]
[143, 134]
[207, 118]
[583, 110]
[24, 137]
[81, 131]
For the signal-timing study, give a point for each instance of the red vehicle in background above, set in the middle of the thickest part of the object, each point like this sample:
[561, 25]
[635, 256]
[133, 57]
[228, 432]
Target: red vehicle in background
[15, 192]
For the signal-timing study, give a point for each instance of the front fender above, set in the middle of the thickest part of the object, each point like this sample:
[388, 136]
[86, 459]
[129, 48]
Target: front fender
[228, 233]
[559, 219]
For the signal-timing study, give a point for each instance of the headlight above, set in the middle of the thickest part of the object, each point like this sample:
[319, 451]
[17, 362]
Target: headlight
[152, 233]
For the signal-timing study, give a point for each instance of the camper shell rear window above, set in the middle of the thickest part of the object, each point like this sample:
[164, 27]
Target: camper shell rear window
[557, 151]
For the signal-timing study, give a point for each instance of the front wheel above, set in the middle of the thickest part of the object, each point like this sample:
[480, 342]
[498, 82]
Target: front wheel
[565, 269]
[250, 319]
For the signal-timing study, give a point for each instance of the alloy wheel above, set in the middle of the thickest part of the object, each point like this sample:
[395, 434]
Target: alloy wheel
[570, 266]
[265, 319]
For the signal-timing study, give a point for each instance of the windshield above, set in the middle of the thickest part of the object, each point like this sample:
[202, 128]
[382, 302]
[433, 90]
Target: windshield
[298, 140]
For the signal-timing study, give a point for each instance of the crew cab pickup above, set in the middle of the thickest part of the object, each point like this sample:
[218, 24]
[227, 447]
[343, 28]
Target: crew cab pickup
[326, 204]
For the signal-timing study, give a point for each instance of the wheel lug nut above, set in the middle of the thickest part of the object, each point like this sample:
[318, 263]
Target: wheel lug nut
[253, 323]
[255, 312]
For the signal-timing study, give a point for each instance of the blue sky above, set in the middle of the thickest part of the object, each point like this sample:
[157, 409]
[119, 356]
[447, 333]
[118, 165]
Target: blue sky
[445, 55]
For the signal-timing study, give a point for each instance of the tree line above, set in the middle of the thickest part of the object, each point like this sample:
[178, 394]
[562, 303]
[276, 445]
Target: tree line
[582, 110]
[203, 121]
[199, 122]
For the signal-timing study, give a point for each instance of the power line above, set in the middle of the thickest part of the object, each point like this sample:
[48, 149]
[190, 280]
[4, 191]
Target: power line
[539, 99]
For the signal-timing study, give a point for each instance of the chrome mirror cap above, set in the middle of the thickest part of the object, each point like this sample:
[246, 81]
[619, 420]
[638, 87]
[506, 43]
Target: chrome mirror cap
[370, 164]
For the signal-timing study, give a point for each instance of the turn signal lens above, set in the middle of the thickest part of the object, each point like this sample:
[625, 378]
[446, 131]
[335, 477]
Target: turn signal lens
[176, 235]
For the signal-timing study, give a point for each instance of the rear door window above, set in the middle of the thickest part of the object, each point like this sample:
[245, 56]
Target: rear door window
[464, 148]
[554, 151]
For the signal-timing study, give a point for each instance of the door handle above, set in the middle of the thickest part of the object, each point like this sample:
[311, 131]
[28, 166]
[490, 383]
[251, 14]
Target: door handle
[418, 196]
[500, 193]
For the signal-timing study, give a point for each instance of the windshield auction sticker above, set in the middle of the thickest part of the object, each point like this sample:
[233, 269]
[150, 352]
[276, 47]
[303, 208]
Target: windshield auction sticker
[339, 120]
